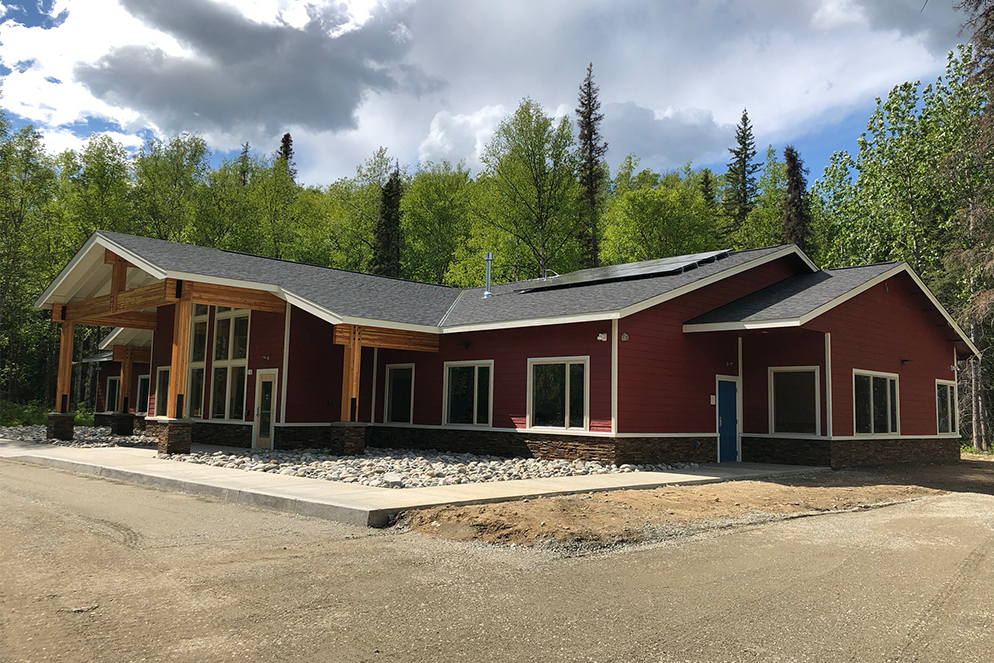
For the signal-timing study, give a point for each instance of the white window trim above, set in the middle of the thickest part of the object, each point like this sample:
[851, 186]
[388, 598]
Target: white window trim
[148, 378]
[205, 318]
[771, 404]
[585, 360]
[158, 371]
[954, 411]
[109, 407]
[897, 393]
[386, 393]
[229, 364]
[489, 363]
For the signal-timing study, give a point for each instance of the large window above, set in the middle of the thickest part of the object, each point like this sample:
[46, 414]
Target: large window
[198, 362]
[468, 393]
[557, 392]
[231, 331]
[399, 407]
[794, 400]
[162, 392]
[875, 403]
[946, 406]
[141, 407]
[111, 394]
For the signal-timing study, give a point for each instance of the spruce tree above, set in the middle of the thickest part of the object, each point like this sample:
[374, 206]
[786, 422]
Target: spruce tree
[386, 235]
[709, 190]
[739, 196]
[796, 209]
[591, 170]
[244, 164]
[285, 155]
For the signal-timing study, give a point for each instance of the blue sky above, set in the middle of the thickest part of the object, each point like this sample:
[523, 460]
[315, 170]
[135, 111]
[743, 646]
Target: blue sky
[430, 79]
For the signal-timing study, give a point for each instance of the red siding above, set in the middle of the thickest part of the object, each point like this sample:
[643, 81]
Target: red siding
[786, 347]
[266, 332]
[162, 348]
[875, 331]
[666, 377]
[510, 349]
[314, 376]
[109, 369]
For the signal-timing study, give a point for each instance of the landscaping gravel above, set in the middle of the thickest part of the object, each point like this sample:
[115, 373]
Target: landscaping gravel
[404, 468]
[83, 436]
[381, 468]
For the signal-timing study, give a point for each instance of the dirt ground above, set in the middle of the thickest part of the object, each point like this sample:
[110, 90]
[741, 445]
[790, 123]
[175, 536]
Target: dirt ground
[589, 522]
[95, 570]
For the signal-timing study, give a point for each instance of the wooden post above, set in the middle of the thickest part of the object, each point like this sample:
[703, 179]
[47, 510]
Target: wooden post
[351, 362]
[118, 282]
[125, 387]
[64, 381]
[179, 364]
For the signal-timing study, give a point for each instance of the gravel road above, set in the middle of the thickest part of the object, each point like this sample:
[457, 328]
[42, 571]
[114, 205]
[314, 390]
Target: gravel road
[92, 570]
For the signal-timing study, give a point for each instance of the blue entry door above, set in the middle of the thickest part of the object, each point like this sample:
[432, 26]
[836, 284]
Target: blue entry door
[728, 421]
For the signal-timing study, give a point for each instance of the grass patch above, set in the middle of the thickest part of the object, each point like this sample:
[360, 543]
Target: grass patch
[34, 413]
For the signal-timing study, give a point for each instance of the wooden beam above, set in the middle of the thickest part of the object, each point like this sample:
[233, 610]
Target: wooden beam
[136, 299]
[64, 380]
[395, 339]
[139, 320]
[111, 258]
[226, 295]
[180, 358]
[351, 362]
[118, 281]
[58, 313]
[138, 355]
[124, 388]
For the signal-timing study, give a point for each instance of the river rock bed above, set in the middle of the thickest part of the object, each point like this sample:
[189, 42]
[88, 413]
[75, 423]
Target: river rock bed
[404, 468]
[83, 437]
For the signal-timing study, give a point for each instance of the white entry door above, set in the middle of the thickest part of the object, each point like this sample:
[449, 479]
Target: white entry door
[265, 408]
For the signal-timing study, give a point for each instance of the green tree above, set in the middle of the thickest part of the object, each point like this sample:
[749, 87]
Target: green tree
[593, 173]
[531, 187]
[764, 224]
[797, 210]
[166, 178]
[386, 236]
[285, 154]
[739, 194]
[435, 220]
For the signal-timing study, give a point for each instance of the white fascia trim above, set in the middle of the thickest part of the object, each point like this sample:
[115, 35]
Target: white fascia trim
[57, 281]
[942, 310]
[111, 337]
[741, 326]
[220, 280]
[312, 308]
[534, 322]
[387, 324]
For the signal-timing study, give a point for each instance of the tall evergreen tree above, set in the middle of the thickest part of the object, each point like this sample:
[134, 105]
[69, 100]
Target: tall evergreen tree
[285, 154]
[386, 239]
[739, 196]
[591, 168]
[709, 189]
[245, 164]
[796, 208]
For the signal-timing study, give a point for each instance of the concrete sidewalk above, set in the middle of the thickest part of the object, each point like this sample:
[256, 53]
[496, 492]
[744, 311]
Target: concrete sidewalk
[349, 503]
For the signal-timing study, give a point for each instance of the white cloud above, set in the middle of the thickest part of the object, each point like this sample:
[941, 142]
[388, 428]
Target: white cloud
[461, 136]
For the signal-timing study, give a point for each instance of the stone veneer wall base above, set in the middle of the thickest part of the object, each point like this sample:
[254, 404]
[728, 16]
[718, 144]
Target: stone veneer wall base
[175, 436]
[60, 426]
[839, 454]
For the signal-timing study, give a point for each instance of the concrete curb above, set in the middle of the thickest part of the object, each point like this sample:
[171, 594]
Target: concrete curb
[350, 515]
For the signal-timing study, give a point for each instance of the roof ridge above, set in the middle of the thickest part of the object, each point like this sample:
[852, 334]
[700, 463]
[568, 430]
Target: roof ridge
[109, 235]
[872, 264]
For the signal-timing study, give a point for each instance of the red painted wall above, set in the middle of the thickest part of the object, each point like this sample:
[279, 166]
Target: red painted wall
[314, 375]
[266, 333]
[510, 349]
[162, 348]
[113, 368]
[778, 347]
[666, 377]
[874, 331]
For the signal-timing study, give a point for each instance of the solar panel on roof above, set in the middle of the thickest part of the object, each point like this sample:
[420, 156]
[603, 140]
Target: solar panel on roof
[627, 272]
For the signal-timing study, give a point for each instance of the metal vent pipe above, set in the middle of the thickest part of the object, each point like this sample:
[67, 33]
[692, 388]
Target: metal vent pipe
[489, 257]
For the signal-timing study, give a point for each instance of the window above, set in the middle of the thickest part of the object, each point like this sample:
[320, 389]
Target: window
[399, 407]
[162, 392]
[231, 338]
[111, 395]
[875, 403]
[557, 392]
[795, 406]
[468, 393]
[198, 362]
[946, 406]
[141, 407]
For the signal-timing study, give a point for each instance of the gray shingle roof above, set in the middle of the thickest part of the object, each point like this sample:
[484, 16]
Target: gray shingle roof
[339, 291]
[793, 297]
[359, 295]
